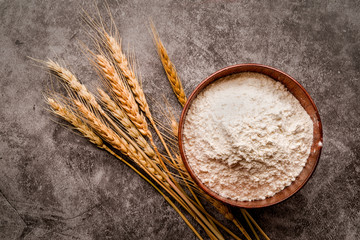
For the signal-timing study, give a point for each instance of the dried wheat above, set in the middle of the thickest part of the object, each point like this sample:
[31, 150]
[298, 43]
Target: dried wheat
[120, 115]
[69, 78]
[122, 63]
[119, 142]
[169, 68]
[123, 95]
[104, 131]
[79, 125]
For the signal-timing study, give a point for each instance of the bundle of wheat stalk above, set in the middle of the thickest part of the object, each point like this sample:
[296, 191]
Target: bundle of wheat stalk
[118, 120]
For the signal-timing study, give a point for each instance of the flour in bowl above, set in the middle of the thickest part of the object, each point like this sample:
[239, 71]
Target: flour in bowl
[246, 137]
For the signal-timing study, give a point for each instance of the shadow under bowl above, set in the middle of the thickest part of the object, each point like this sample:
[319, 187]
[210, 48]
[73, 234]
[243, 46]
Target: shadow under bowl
[307, 103]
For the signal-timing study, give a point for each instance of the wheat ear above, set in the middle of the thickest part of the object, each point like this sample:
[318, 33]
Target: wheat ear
[122, 63]
[70, 79]
[121, 116]
[126, 99]
[79, 125]
[66, 76]
[123, 95]
[169, 68]
[118, 142]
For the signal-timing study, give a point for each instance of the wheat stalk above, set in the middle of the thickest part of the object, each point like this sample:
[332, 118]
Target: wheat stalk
[169, 68]
[255, 223]
[249, 223]
[179, 166]
[157, 189]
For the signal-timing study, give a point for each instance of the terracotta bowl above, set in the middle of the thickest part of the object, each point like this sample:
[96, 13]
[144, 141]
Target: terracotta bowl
[305, 100]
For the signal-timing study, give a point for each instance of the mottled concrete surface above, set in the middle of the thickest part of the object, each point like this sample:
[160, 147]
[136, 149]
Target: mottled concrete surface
[56, 185]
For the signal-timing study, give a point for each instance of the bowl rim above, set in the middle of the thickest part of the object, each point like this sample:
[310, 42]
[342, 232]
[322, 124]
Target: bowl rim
[212, 78]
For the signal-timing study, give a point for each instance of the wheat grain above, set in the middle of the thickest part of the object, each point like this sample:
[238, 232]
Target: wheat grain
[174, 125]
[174, 128]
[224, 210]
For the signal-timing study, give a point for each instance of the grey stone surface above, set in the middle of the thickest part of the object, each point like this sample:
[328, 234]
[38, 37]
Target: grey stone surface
[56, 185]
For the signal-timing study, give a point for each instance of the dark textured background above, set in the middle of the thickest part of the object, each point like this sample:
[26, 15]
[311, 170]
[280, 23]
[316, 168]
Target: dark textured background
[56, 185]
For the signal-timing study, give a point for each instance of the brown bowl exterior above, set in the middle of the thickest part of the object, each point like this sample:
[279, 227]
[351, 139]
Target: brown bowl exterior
[305, 100]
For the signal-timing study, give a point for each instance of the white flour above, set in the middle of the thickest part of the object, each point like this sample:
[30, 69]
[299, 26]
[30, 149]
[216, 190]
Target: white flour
[246, 137]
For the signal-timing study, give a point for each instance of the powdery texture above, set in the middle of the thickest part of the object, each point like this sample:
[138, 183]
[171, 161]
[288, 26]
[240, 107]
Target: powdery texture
[246, 137]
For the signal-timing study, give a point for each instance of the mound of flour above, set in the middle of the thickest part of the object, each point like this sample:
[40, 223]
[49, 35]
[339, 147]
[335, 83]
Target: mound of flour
[246, 137]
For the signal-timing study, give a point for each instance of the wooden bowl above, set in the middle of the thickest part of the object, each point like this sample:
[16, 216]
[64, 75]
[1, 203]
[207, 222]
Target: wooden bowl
[305, 100]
